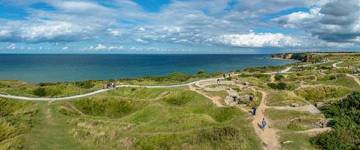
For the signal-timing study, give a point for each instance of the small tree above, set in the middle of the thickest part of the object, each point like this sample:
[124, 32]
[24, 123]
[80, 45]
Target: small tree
[40, 92]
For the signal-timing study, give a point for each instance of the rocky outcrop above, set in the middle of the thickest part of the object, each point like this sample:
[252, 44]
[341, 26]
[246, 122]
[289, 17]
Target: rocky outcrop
[304, 57]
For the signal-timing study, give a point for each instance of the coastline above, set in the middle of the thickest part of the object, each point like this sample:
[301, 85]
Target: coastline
[78, 68]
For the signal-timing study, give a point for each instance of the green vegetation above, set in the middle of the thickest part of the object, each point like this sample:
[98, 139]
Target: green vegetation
[16, 119]
[338, 80]
[281, 86]
[322, 93]
[293, 120]
[183, 118]
[345, 122]
[170, 119]
[284, 98]
[172, 78]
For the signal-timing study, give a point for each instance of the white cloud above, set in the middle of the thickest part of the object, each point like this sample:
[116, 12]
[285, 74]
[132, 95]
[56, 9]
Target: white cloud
[50, 30]
[11, 46]
[114, 32]
[259, 40]
[80, 7]
[100, 47]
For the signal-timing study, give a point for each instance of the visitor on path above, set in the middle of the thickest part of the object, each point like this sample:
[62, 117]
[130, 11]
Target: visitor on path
[254, 111]
[263, 124]
[218, 81]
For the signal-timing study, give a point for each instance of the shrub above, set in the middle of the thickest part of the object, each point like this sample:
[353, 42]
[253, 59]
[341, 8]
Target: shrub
[278, 86]
[332, 77]
[278, 77]
[85, 84]
[346, 133]
[40, 92]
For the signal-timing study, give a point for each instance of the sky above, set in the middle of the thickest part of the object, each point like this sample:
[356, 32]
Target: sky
[178, 26]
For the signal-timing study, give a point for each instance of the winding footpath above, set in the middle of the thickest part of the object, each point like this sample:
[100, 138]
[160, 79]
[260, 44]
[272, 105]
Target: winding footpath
[267, 135]
[97, 92]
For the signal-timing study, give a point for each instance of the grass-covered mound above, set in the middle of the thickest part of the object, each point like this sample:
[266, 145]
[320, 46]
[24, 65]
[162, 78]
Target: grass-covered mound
[322, 93]
[346, 125]
[339, 80]
[16, 119]
[293, 120]
[171, 119]
[172, 78]
[284, 98]
[60, 89]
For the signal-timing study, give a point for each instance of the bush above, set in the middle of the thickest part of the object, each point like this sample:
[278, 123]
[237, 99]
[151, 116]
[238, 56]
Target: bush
[278, 77]
[346, 120]
[46, 92]
[332, 77]
[40, 92]
[278, 86]
[85, 84]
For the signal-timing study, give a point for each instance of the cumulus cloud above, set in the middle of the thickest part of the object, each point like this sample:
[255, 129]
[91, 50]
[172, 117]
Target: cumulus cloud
[184, 23]
[11, 46]
[259, 40]
[332, 21]
[44, 31]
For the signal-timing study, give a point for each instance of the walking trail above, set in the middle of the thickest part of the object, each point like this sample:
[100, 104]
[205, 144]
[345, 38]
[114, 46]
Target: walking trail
[267, 135]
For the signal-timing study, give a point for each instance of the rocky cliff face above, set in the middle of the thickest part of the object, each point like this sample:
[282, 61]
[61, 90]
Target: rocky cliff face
[283, 56]
[304, 57]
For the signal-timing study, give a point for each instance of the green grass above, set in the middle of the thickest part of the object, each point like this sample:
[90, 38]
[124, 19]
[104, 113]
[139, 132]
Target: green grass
[283, 98]
[295, 141]
[179, 119]
[288, 120]
[339, 80]
[322, 93]
[50, 131]
[47, 89]
[16, 120]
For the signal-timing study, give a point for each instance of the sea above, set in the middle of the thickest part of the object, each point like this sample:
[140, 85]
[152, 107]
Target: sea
[36, 68]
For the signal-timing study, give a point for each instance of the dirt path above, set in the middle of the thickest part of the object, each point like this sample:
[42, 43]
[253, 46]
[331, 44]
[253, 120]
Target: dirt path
[268, 135]
[315, 131]
[272, 78]
[49, 131]
[214, 100]
[335, 64]
[355, 78]
[307, 108]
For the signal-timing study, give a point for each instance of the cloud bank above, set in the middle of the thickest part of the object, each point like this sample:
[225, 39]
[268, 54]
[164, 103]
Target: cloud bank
[125, 24]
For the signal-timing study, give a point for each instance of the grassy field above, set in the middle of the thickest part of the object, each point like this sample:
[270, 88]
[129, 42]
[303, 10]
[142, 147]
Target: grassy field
[16, 120]
[134, 118]
[178, 118]
[321, 93]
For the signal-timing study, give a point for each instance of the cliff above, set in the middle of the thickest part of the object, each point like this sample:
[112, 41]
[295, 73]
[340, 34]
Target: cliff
[304, 57]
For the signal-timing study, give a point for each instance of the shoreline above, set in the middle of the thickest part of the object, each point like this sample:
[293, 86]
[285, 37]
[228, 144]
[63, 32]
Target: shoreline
[243, 66]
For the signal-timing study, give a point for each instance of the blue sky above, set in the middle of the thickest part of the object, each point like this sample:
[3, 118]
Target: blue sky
[178, 26]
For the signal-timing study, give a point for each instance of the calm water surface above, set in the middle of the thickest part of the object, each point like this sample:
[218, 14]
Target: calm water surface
[75, 67]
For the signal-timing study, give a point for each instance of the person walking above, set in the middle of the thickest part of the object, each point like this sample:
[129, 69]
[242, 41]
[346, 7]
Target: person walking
[254, 111]
[263, 124]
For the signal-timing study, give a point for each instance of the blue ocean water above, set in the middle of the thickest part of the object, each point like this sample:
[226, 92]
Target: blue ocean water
[75, 67]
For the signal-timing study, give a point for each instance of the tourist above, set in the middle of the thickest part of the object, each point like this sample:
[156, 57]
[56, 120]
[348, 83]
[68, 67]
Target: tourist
[254, 111]
[263, 124]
